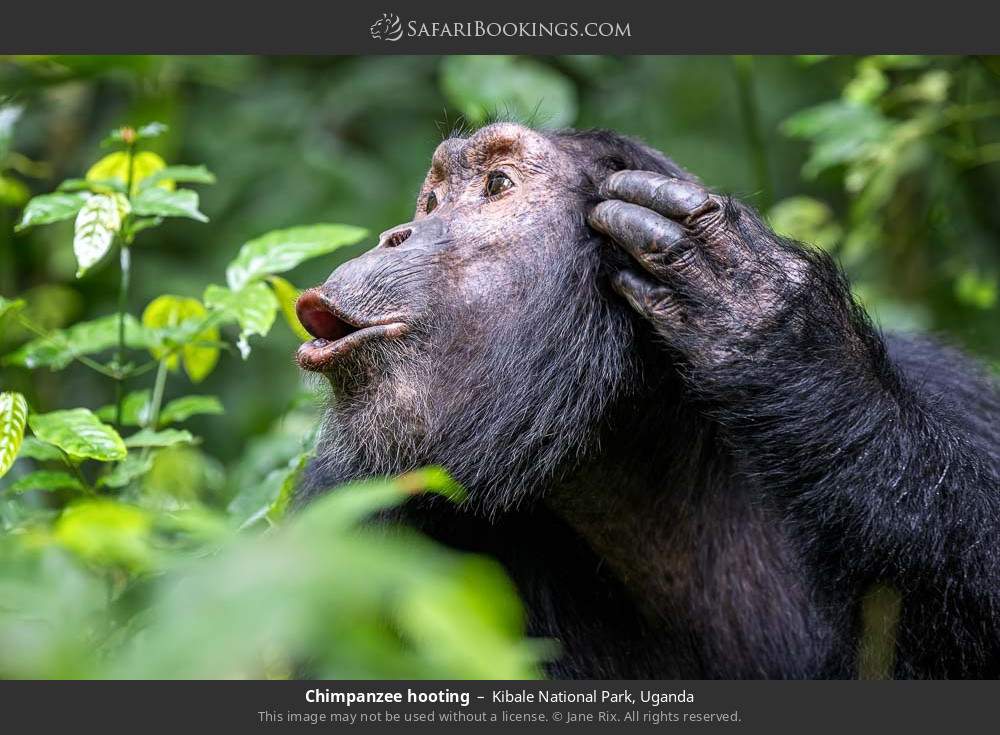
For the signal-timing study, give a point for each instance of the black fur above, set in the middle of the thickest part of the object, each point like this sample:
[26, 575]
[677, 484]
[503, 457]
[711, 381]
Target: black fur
[668, 520]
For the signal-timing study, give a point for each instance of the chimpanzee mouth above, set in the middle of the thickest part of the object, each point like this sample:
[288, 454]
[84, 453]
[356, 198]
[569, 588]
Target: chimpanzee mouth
[336, 335]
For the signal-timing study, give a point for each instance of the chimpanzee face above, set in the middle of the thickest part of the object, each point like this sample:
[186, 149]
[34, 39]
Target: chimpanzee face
[493, 211]
[479, 335]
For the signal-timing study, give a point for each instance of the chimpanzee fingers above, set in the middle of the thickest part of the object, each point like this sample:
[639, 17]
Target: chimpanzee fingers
[669, 196]
[654, 241]
[651, 299]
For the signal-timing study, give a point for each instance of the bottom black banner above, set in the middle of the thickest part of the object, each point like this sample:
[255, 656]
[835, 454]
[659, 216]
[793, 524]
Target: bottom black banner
[599, 706]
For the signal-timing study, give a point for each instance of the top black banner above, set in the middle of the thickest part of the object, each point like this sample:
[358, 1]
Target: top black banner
[443, 27]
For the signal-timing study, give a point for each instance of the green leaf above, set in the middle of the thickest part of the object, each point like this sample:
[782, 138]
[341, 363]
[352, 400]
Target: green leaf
[74, 185]
[137, 224]
[161, 438]
[147, 131]
[46, 480]
[100, 186]
[151, 130]
[13, 193]
[106, 532]
[13, 415]
[268, 499]
[182, 174]
[841, 132]
[115, 167]
[869, 83]
[134, 465]
[9, 115]
[79, 433]
[162, 203]
[96, 224]
[353, 503]
[975, 289]
[59, 348]
[524, 88]
[185, 407]
[287, 296]
[135, 409]
[9, 306]
[200, 351]
[282, 250]
[48, 208]
[40, 451]
[253, 307]
[807, 220]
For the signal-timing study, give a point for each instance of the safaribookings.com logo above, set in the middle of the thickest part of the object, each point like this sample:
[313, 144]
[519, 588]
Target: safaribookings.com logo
[390, 28]
[387, 28]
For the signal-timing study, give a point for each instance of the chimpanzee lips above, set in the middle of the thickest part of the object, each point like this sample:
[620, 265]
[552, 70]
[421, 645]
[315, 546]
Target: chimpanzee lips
[335, 334]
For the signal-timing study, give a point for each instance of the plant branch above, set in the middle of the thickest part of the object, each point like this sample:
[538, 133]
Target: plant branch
[82, 359]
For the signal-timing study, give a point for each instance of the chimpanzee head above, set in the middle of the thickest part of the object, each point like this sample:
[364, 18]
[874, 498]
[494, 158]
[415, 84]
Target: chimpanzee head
[481, 336]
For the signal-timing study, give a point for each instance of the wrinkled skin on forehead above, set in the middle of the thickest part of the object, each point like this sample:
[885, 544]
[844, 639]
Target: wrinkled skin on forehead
[504, 298]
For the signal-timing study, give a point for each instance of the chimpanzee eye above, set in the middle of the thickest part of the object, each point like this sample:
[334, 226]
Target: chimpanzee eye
[432, 202]
[497, 182]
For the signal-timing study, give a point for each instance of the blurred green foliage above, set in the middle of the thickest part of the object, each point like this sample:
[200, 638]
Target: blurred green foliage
[892, 163]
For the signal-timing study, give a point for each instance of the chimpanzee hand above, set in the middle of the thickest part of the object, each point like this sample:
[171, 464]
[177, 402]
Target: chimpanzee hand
[716, 283]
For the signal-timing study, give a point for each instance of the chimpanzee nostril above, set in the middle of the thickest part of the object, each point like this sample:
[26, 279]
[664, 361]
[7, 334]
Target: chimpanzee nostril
[396, 238]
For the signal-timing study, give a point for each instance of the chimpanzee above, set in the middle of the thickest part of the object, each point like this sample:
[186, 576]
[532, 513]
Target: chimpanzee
[687, 443]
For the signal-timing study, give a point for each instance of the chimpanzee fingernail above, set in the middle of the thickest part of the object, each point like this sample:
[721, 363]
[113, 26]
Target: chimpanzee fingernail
[677, 197]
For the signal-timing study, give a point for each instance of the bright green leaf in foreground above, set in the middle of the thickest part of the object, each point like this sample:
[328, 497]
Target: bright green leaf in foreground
[136, 408]
[976, 290]
[269, 498]
[106, 532]
[13, 193]
[185, 407]
[162, 438]
[182, 174]
[253, 307]
[157, 202]
[282, 250]
[115, 167]
[133, 466]
[59, 348]
[40, 451]
[198, 350]
[96, 224]
[79, 433]
[13, 416]
[48, 208]
[355, 502]
[9, 306]
[45, 480]
[287, 296]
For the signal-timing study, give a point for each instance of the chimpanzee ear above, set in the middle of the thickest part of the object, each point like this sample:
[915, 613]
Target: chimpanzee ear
[646, 158]
[623, 153]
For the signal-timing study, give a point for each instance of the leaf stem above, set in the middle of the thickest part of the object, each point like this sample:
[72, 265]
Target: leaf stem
[156, 401]
[75, 469]
[214, 318]
[125, 259]
[126, 273]
[82, 359]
